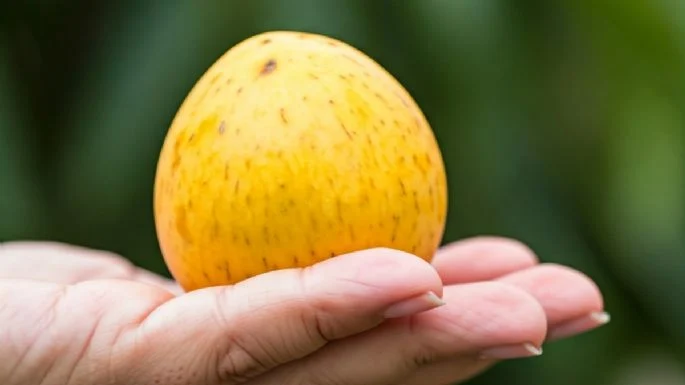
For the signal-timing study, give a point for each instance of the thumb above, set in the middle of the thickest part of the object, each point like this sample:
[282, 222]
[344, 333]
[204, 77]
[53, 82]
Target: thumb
[233, 333]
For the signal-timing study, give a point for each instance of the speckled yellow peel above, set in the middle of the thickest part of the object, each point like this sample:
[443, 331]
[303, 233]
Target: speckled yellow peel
[293, 148]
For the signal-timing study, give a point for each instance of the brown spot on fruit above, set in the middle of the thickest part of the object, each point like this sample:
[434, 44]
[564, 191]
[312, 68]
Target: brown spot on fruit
[347, 132]
[269, 67]
[182, 224]
[404, 188]
[284, 118]
[222, 127]
[350, 229]
[352, 59]
[266, 41]
[175, 163]
[396, 225]
[402, 98]
[266, 235]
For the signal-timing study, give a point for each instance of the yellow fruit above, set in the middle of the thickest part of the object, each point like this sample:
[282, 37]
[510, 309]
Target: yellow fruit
[293, 148]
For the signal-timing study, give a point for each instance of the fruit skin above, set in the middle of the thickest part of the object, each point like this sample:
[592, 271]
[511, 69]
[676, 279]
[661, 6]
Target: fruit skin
[293, 148]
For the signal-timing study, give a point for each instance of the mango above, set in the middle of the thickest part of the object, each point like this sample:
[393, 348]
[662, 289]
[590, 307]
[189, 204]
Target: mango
[292, 148]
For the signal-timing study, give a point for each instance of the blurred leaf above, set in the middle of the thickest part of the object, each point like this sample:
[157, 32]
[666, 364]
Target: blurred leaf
[498, 184]
[20, 205]
[141, 72]
[330, 17]
[644, 209]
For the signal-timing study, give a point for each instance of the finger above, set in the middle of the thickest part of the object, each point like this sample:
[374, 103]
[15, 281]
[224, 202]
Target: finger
[237, 332]
[57, 262]
[482, 259]
[479, 318]
[61, 263]
[449, 371]
[572, 303]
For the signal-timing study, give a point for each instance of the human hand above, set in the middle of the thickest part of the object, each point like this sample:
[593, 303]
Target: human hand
[75, 316]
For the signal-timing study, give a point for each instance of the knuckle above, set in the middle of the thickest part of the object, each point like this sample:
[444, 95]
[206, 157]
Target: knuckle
[244, 356]
[323, 315]
[421, 358]
[238, 364]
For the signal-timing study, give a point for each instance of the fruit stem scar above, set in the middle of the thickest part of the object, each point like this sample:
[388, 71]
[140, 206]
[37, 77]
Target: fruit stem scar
[268, 67]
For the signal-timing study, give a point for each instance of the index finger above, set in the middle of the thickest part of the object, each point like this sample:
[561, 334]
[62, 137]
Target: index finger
[67, 264]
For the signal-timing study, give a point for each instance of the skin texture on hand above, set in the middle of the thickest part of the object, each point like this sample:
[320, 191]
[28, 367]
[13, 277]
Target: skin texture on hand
[71, 315]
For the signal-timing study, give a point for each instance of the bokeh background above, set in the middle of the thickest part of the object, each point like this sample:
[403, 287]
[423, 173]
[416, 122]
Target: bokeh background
[562, 124]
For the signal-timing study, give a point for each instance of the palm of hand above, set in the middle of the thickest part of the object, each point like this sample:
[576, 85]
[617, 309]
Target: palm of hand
[355, 319]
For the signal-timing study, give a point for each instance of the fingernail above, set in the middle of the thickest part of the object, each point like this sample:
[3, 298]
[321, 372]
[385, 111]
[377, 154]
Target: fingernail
[578, 325]
[418, 304]
[511, 351]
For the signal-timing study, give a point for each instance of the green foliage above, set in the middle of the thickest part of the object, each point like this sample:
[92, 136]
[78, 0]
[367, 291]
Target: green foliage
[561, 124]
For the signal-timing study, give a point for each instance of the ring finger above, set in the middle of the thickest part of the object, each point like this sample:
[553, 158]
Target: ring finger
[572, 304]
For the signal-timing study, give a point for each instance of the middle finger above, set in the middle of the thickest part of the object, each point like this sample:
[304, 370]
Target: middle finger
[480, 259]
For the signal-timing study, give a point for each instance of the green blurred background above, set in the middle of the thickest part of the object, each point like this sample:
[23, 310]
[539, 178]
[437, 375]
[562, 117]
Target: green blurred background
[561, 123]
